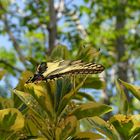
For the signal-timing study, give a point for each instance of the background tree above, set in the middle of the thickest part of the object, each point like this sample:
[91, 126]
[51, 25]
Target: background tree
[33, 29]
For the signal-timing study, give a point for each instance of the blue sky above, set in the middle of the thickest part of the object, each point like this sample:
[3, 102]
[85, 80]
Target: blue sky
[4, 42]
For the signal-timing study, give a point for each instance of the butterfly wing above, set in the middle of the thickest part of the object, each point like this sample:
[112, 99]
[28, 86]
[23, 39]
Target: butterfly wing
[56, 69]
[74, 67]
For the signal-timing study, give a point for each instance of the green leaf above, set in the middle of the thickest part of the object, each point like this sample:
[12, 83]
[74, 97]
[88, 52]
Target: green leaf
[36, 125]
[63, 87]
[11, 121]
[66, 128]
[30, 126]
[104, 128]
[41, 139]
[65, 100]
[17, 101]
[90, 109]
[20, 87]
[85, 9]
[7, 55]
[22, 80]
[43, 93]
[87, 53]
[30, 102]
[87, 136]
[94, 82]
[60, 52]
[5, 103]
[36, 113]
[134, 89]
[124, 105]
[126, 123]
[83, 95]
[4, 4]
[2, 73]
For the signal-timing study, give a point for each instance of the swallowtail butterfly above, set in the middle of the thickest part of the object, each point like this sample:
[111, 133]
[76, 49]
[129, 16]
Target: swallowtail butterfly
[57, 69]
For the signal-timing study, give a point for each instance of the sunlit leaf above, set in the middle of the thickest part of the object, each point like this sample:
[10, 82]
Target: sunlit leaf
[94, 82]
[44, 94]
[17, 101]
[105, 128]
[30, 102]
[83, 95]
[87, 136]
[7, 55]
[124, 106]
[4, 4]
[66, 128]
[126, 123]
[63, 87]
[85, 125]
[37, 116]
[65, 100]
[135, 90]
[22, 80]
[11, 119]
[85, 9]
[5, 103]
[60, 52]
[41, 138]
[90, 109]
[37, 125]
[87, 53]
[2, 73]
[30, 126]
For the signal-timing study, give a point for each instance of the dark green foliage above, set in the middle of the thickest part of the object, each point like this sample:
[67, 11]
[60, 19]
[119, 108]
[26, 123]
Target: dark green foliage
[106, 32]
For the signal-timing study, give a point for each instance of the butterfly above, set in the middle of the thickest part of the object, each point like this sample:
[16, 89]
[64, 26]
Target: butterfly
[54, 70]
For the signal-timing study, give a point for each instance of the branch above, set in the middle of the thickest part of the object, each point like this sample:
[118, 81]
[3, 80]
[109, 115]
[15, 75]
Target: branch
[13, 39]
[52, 28]
[7, 64]
[15, 44]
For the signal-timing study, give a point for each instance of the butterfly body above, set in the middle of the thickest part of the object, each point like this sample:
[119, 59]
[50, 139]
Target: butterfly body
[56, 69]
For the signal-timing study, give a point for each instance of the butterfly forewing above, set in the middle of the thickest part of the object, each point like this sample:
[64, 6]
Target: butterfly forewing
[62, 68]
